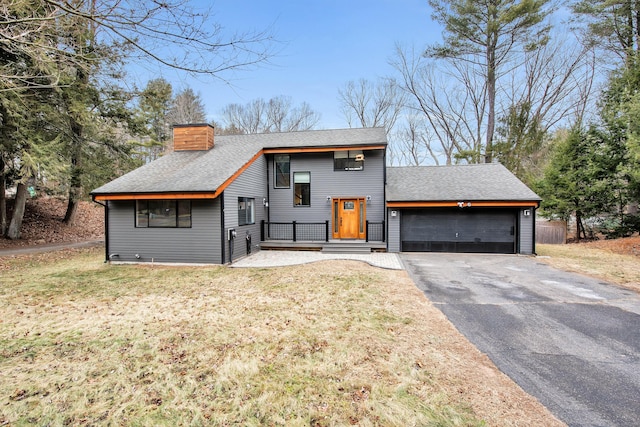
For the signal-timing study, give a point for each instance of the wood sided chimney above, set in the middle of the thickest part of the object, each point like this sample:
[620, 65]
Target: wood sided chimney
[193, 137]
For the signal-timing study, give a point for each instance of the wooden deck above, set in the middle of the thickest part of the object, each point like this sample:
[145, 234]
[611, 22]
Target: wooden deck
[332, 246]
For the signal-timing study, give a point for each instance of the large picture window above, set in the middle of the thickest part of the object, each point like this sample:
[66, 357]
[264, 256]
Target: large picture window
[163, 213]
[246, 211]
[281, 168]
[302, 188]
[352, 160]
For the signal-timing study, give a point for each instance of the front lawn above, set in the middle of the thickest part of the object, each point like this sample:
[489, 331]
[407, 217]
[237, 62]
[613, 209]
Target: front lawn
[334, 343]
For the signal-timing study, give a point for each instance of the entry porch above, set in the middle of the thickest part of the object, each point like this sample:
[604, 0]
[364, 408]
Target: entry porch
[317, 236]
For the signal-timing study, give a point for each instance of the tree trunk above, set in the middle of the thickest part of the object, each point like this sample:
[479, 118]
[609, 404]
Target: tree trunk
[72, 209]
[579, 226]
[75, 190]
[3, 200]
[13, 232]
[75, 183]
[491, 95]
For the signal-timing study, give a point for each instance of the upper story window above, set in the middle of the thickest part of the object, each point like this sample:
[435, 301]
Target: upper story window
[281, 169]
[163, 213]
[352, 160]
[246, 211]
[302, 188]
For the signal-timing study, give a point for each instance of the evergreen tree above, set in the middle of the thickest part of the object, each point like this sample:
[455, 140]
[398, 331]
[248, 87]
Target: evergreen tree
[577, 180]
[154, 105]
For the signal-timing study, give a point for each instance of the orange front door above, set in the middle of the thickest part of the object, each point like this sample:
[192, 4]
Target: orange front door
[349, 218]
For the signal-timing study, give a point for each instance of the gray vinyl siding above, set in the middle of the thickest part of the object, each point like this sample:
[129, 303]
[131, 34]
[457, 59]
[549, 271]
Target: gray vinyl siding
[527, 237]
[198, 244]
[252, 184]
[393, 230]
[325, 182]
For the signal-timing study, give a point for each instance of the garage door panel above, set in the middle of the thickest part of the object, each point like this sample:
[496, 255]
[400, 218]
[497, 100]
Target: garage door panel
[455, 230]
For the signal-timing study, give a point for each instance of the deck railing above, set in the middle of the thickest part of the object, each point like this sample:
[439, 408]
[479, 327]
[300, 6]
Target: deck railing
[375, 231]
[294, 231]
[312, 231]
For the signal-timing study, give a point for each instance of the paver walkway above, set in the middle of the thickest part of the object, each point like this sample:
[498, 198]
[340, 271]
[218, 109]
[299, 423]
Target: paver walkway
[283, 258]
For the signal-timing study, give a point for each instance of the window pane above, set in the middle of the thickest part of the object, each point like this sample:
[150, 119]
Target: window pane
[246, 211]
[162, 213]
[302, 188]
[242, 211]
[302, 196]
[184, 213]
[282, 166]
[346, 160]
[142, 213]
[250, 211]
[302, 177]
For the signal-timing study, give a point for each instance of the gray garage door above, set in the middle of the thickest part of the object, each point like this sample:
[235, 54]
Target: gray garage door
[458, 230]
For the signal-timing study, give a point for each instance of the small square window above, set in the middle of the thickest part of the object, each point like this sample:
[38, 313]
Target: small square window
[162, 213]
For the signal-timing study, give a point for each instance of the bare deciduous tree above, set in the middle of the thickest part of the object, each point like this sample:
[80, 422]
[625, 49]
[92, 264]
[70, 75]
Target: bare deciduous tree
[173, 33]
[549, 89]
[369, 104]
[450, 101]
[275, 115]
[553, 89]
[412, 144]
[186, 108]
[488, 34]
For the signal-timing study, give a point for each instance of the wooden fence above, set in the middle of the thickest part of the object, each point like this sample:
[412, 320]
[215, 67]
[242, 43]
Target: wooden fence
[551, 232]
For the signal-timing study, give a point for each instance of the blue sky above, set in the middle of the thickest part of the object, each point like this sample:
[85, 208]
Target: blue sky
[325, 43]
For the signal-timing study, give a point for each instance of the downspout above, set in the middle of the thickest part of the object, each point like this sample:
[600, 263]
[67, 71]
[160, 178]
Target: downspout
[223, 235]
[268, 187]
[533, 251]
[516, 236]
[106, 227]
[385, 218]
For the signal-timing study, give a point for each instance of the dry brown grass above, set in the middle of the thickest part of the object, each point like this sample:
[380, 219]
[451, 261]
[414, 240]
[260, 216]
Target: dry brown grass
[611, 261]
[334, 343]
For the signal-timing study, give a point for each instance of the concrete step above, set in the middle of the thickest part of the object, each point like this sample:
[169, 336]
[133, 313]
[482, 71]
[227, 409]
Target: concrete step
[335, 248]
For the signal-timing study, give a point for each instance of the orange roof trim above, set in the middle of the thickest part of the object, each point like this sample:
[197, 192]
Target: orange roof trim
[321, 149]
[465, 204]
[181, 195]
[154, 196]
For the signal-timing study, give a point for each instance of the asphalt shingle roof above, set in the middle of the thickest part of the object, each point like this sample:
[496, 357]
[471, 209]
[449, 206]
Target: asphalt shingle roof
[206, 171]
[482, 182]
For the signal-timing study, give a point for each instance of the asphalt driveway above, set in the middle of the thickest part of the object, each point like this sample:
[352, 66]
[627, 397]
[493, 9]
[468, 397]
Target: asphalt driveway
[569, 340]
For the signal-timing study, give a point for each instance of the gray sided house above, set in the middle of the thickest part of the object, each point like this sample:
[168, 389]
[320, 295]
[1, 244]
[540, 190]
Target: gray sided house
[215, 201]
